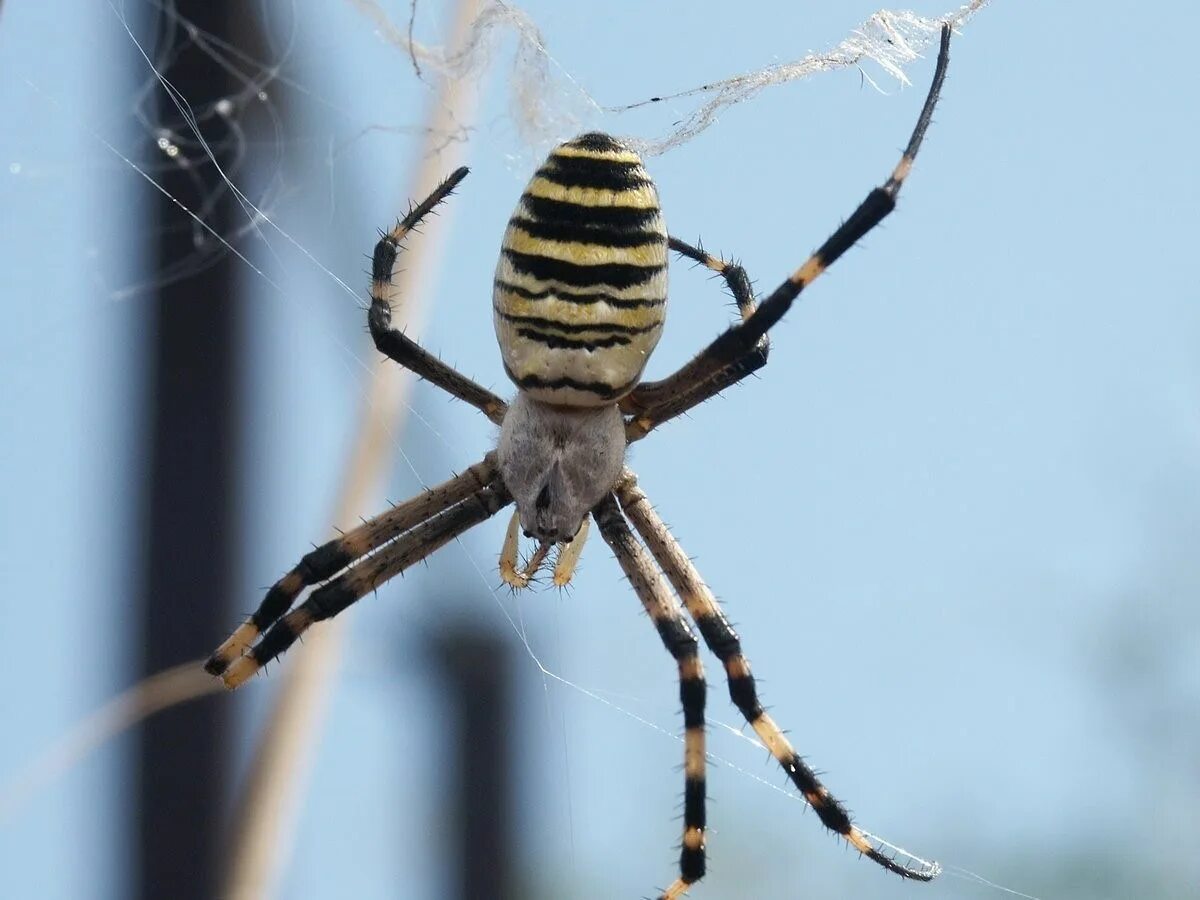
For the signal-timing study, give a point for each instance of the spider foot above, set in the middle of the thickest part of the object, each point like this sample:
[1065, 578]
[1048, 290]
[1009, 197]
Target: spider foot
[519, 577]
[233, 648]
[678, 888]
[568, 555]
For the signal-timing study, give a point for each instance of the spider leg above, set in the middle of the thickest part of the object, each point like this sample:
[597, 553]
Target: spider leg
[518, 577]
[330, 558]
[511, 572]
[723, 641]
[663, 398]
[568, 555]
[402, 348]
[367, 575]
[681, 643]
[694, 382]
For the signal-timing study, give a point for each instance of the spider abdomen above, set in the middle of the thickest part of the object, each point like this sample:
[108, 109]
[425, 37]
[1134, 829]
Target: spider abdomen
[581, 287]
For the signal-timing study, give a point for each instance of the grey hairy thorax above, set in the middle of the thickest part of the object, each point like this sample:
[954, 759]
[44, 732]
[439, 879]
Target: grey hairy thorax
[559, 462]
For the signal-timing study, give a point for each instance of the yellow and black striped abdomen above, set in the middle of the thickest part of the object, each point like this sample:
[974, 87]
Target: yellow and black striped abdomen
[581, 287]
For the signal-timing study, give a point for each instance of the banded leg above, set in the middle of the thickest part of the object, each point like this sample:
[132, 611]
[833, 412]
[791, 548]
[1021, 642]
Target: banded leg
[331, 557]
[519, 577]
[367, 575]
[685, 388]
[398, 346]
[681, 643]
[658, 395]
[723, 641]
[511, 571]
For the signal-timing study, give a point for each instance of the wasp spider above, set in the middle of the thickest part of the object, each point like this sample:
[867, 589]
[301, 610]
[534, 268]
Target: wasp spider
[579, 298]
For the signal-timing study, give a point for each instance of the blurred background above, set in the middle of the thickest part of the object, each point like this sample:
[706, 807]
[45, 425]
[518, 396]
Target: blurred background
[955, 520]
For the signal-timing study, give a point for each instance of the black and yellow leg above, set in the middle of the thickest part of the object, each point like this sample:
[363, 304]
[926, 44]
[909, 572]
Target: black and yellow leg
[663, 609]
[397, 345]
[330, 599]
[682, 390]
[331, 557]
[723, 641]
[661, 396]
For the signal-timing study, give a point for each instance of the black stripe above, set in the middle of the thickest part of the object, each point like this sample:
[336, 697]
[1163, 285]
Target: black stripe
[691, 859]
[276, 603]
[831, 813]
[869, 214]
[324, 562]
[744, 696]
[577, 327]
[583, 172]
[692, 693]
[676, 637]
[384, 259]
[693, 802]
[623, 218]
[558, 342]
[274, 642]
[570, 297]
[691, 865]
[546, 268]
[599, 388]
[329, 600]
[585, 234]
[596, 141]
[719, 635]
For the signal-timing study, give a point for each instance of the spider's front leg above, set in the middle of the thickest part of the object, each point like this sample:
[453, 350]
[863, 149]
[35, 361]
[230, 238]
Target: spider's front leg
[692, 384]
[396, 344]
[333, 557]
[517, 576]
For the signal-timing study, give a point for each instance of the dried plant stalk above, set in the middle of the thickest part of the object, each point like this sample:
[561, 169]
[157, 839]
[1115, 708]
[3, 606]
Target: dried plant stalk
[160, 691]
[265, 823]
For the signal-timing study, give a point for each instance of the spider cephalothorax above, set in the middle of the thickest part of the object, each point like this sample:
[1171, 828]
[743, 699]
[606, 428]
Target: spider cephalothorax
[559, 462]
[579, 298]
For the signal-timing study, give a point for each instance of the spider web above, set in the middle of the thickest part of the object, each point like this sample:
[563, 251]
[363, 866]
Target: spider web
[544, 104]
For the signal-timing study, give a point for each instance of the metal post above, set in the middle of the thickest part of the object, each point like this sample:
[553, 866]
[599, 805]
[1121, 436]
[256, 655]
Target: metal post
[190, 536]
[479, 666]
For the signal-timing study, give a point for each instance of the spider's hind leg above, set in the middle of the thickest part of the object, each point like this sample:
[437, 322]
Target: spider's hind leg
[724, 643]
[367, 574]
[677, 637]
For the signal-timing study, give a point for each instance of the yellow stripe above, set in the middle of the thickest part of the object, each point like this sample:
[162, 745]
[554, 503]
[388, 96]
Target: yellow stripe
[643, 197]
[627, 156]
[597, 314]
[653, 253]
[809, 272]
[239, 672]
[768, 732]
[237, 643]
[693, 753]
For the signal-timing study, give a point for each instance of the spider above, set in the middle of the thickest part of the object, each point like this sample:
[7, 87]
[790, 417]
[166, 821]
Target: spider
[579, 301]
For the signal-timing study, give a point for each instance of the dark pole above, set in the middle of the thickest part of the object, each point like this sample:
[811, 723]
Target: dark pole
[479, 669]
[190, 539]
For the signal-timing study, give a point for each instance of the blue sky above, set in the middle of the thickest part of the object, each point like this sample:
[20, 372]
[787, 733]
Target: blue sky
[955, 519]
